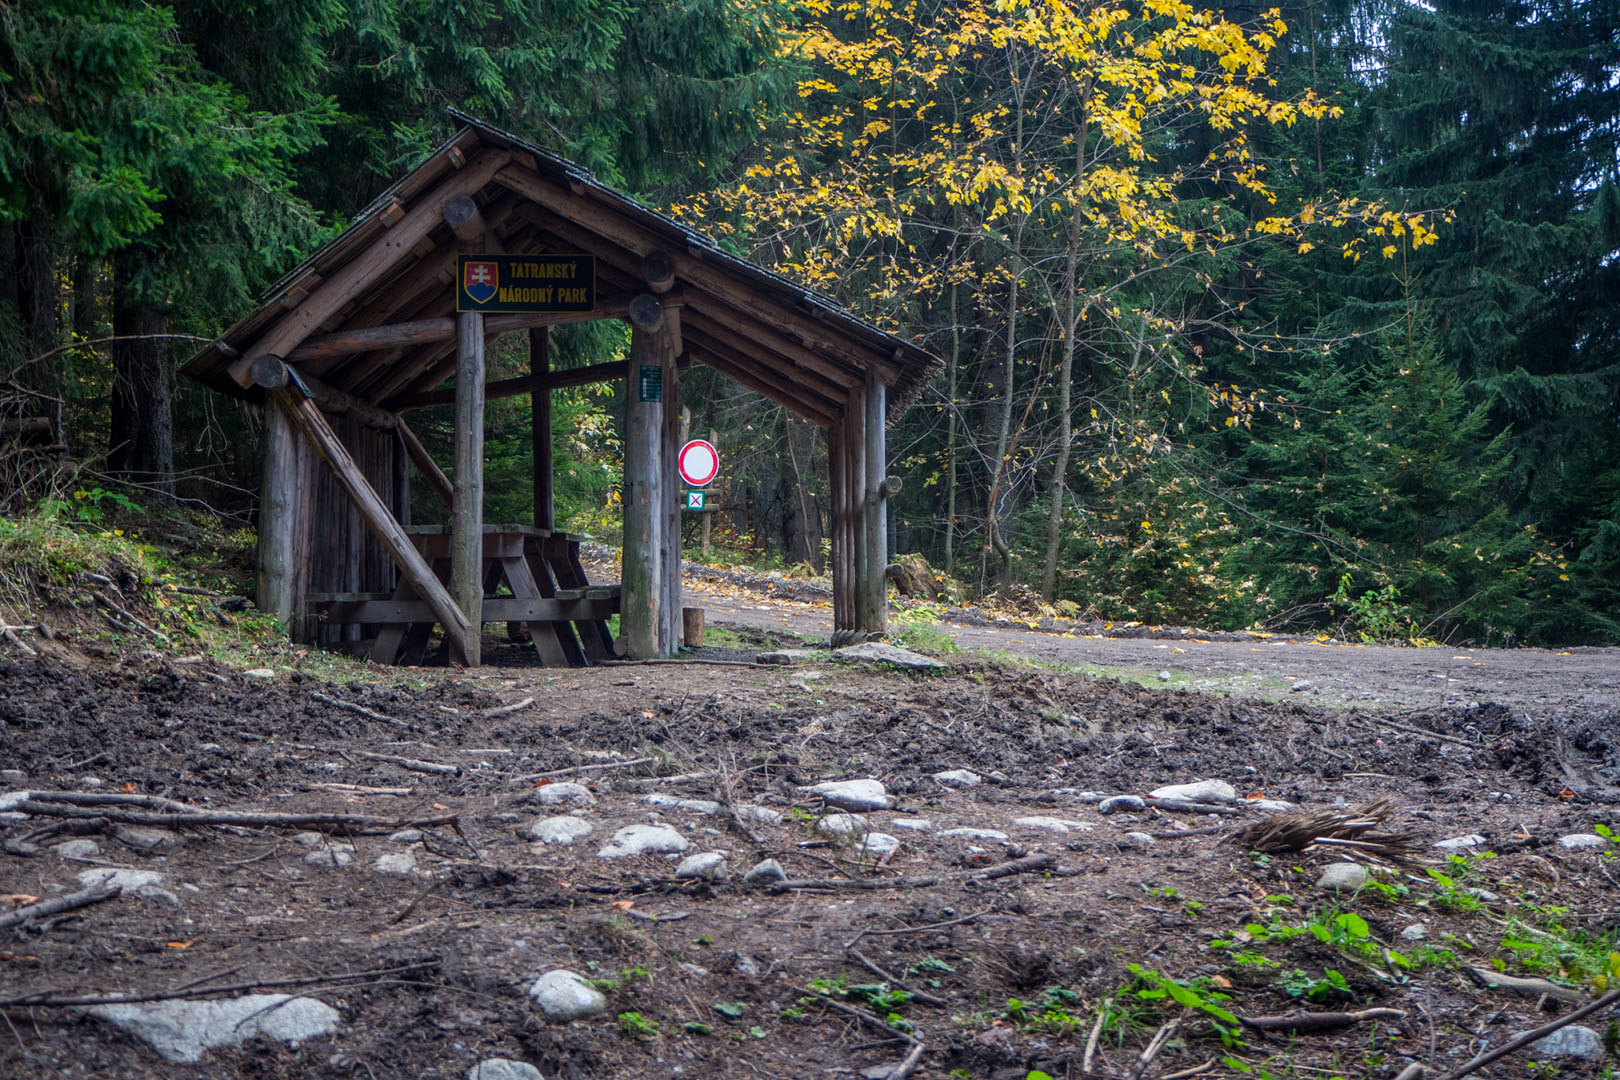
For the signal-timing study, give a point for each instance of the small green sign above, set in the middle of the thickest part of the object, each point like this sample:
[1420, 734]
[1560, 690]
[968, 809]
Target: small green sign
[650, 382]
[694, 500]
[514, 284]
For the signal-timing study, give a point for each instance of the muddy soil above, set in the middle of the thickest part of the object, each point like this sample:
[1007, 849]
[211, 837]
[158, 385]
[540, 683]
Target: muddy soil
[429, 970]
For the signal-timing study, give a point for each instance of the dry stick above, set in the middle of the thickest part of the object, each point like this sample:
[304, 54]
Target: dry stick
[1197, 1070]
[1026, 865]
[931, 926]
[877, 1022]
[71, 902]
[101, 598]
[1091, 1042]
[506, 710]
[1421, 731]
[1413, 1071]
[18, 643]
[1612, 997]
[413, 764]
[100, 798]
[575, 769]
[361, 709]
[1303, 1021]
[1160, 1037]
[870, 965]
[354, 822]
[33, 1000]
[920, 881]
[1189, 807]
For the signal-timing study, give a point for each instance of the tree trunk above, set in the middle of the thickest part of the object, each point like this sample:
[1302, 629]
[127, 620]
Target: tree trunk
[141, 440]
[950, 439]
[37, 304]
[1071, 330]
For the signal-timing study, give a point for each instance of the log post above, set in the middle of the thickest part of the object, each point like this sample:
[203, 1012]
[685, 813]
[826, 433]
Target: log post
[278, 515]
[429, 468]
[642, 589]
[855, 469]
[842, 567]
[668, 483]
[540, 410]
[708, 515]
[876, 539]
[467, 510]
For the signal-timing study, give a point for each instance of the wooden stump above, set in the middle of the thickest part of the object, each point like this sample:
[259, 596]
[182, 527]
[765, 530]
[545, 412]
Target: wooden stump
[692, 626]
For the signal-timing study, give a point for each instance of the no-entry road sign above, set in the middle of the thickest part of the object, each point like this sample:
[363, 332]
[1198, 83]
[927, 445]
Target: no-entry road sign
[699, 462]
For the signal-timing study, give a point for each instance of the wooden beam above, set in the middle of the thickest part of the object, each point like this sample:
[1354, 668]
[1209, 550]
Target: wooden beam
[658, 270]
[740, 341]
[467, 509]
[520, 384]
[270, 373]
[787, 389]
[496, 609]
[307, 417]
[383, 253]
[418, 332]
[749, 377]
[540, 426]
[669, 543]
[875, 579]
[278, 512]
[640, 617]
[426, 465]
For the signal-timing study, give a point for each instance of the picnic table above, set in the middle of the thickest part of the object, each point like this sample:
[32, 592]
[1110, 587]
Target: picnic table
[547, 592]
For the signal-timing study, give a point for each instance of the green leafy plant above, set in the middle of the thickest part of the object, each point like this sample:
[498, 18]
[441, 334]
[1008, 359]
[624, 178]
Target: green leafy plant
[636, 1026]
[1298, 983]
[1194, 994]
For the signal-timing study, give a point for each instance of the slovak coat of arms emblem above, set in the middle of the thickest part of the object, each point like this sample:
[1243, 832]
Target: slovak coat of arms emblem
[480, 280]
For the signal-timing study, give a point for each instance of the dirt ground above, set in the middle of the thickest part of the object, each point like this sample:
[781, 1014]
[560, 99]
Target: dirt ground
[1069, 931]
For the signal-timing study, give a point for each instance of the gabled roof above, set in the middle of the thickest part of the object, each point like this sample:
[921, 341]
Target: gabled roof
[790, 344]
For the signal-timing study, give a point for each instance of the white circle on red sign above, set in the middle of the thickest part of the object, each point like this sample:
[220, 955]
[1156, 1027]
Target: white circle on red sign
[699, 462]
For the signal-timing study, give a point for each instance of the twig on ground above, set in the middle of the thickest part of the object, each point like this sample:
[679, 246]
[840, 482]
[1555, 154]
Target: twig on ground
[359, 789]
[55, 906]
[124, 614]
[919, 881]
[1611, 998]
[16, 642]
[682, 778]
[245, 818]
[1196, 1070]
[1410, 730]
[1153, 1047]
[1183, 834]
[1305, 1022]
[46, 1000]
[413, 764]
[930, 926]
[576, 769]
[909, 1062]
[1413, 1071]
[1027, 865]
[1091, 1042]
[871, 965]
[507, 710]
[350, 706]
[1189, 807]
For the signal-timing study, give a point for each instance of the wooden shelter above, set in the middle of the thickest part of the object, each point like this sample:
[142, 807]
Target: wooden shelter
[368, 329]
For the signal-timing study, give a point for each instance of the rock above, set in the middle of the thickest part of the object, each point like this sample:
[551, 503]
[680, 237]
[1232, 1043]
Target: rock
[78, 849]
[503, 1069]
[92, 783]
[694, 970]
[309, 839]
[333, 858]
[1343, 875]
[1300, 687]
[1457, 843]
[1272, 806]
[152, 892]
[643, 840]
[128, 880]
[976, 834]
[399, 863]
[1415, 932]
[561, 794]
[698, 806]
[959, 778]
[765, 872]
[406, 836]
[13, 799]
[1583, 842]
[706, 866]
[1051, 824]
[841, 824]
[559, 830]
[1139, 840]
[185, 1030]
[878, 843]
[745, 965]
[565, 995]
[1121, 802]
[784, 656]
[915, 824]
[1164, 676]
[261, 673]
[1218, 791]
[853, 794]
[759, 815]
[12, 776]
[1574, 1041]
[878, 653]
[148, 841]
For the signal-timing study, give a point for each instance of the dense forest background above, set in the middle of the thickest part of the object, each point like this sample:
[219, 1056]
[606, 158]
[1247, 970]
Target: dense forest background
[1297, 318]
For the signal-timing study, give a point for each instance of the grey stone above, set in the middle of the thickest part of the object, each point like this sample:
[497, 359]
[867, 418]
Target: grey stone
[1574, 1041]
[959, 778]
[332, 858]
[1343, 875]
[559, 830]
[128, 880]
[1300, 686]
[697, 806]
[1121, 802]
[406, 836]
[1583, 842]
[13, 799]
[1415, 932]
[706, 866]
[784, 656]
[1139, 839]
[92, 783]
[642, 840]
[915, 824]
[694, 970]
[504, 1069]
[878, 843]
[1201, 791]
[853, 794]
[260, 673]
[565, 995]
[1272, 806]
[1050, 824]
[148, 841]
[1457, 843]
[759, 815]
[879, 653]
[765, 872]
[976, 834]
[398, 863]
[842, 824]
[185, 1030]
[745, 965]
[152, 892]
[309, 839]
[1164, 676]
[12, 776]
[565, 793]
[78, 849]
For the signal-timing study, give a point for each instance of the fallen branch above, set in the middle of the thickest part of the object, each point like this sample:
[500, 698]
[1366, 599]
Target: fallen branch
[413, 764]
[929, 926]
[16, 642]
[35, 1000]
[871, 965]
[71, 902]
[13, 800]
[507, 710]
[1306, 1022]
[909, 1062]
[920, 881]
[1188, 807]
[574, 770]
[1420, 731]
[1027, 865]
[1611, 998]
[246, 818]
[1153, 1047]
[350, 706]
[124, 614]
[1529, 987]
